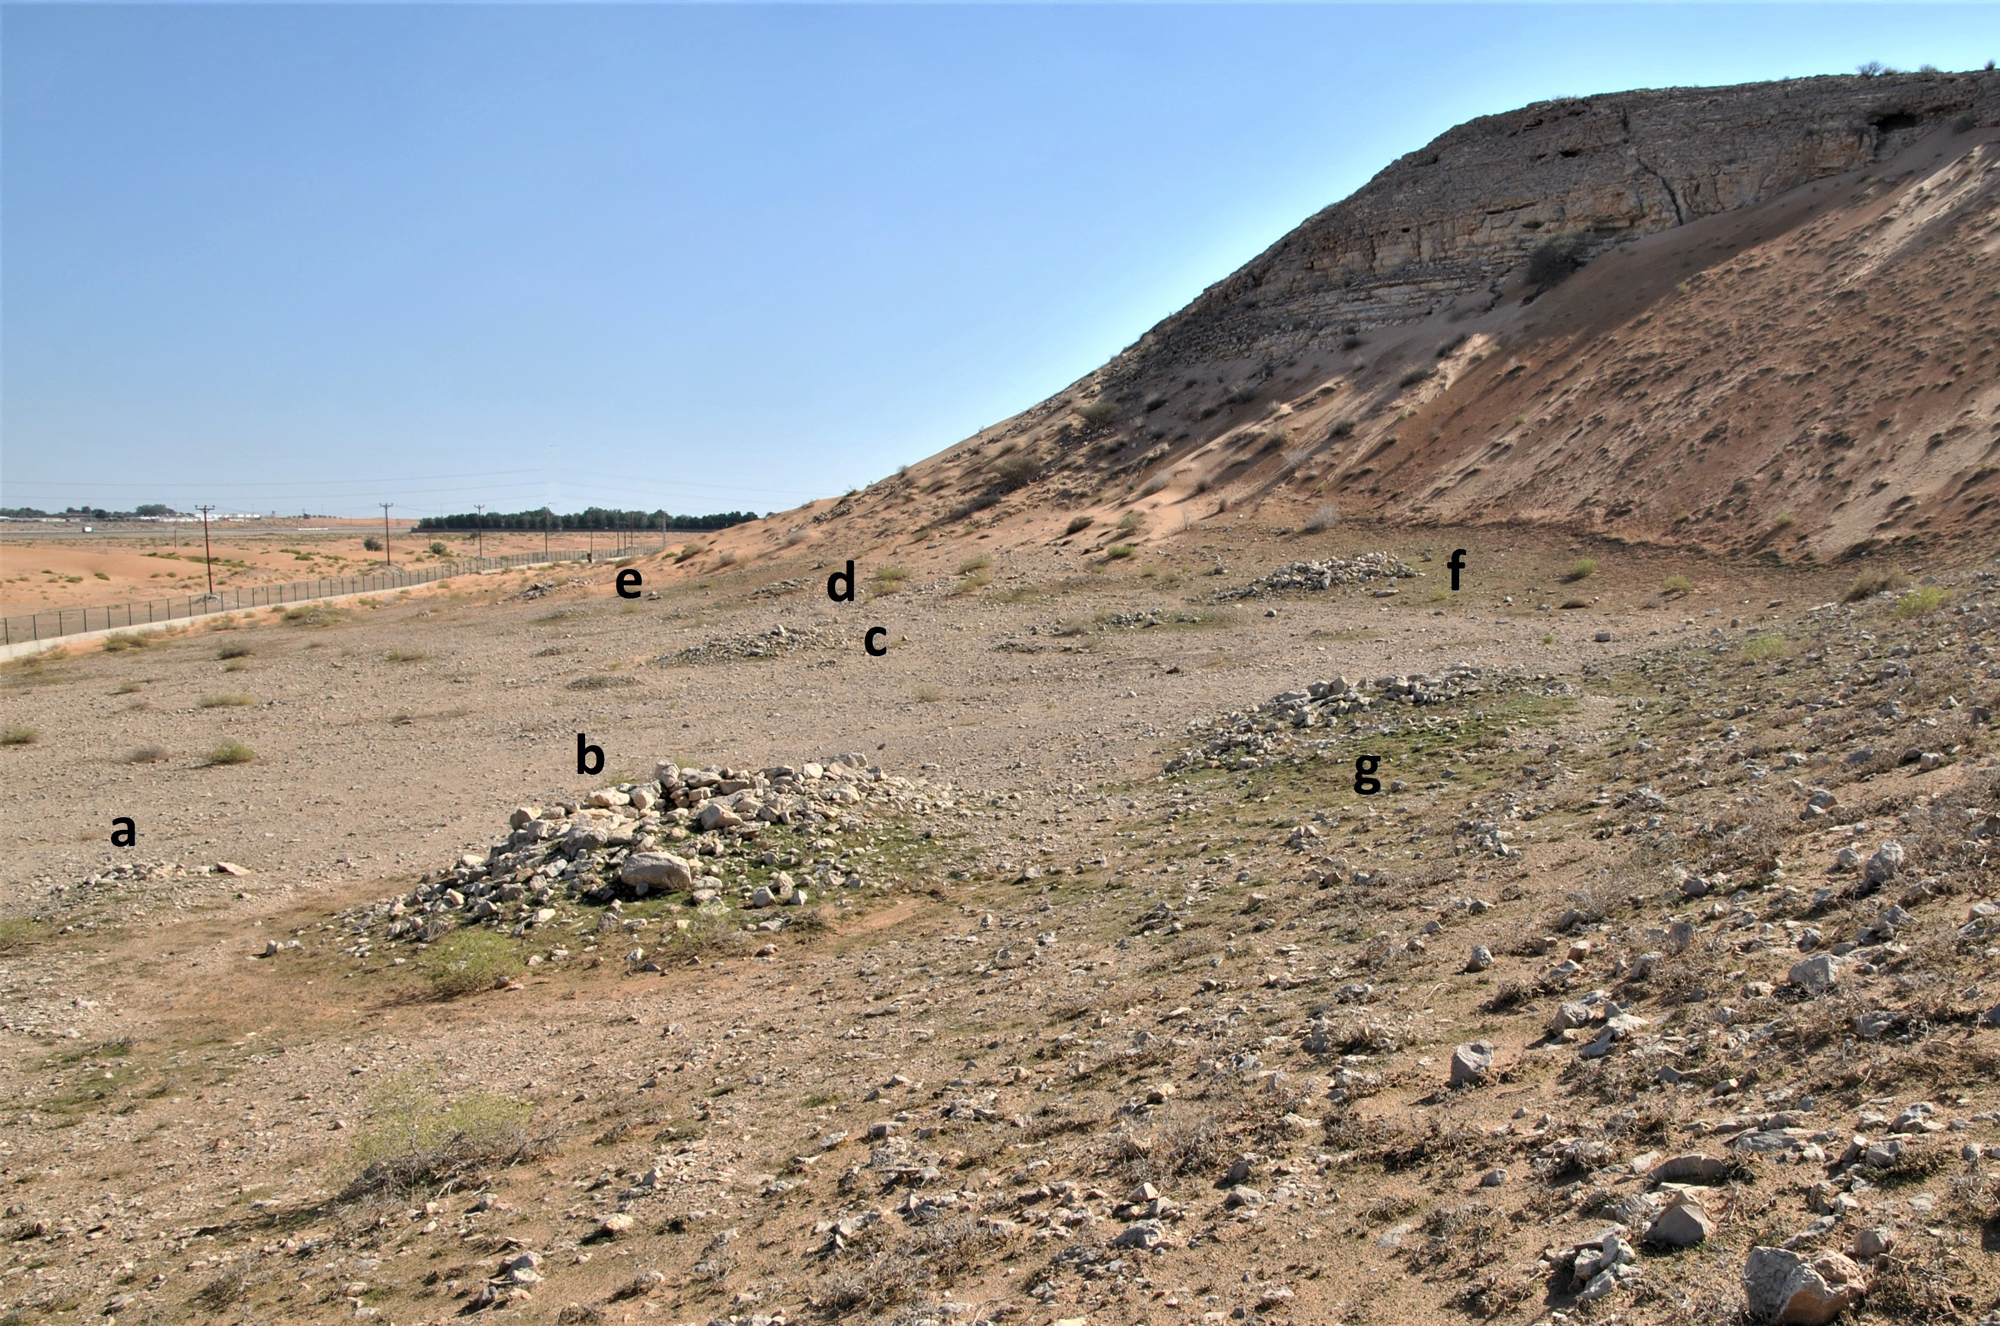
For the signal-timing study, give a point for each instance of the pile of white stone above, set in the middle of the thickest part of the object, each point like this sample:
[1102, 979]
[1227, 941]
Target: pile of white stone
[1246, 739]
[637, 839]
[1323, 575]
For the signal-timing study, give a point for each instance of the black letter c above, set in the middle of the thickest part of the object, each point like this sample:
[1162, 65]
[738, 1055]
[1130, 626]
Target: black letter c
[868, 641]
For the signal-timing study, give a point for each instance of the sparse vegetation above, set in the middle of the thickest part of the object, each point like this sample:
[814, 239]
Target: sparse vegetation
[19, 734]
[231, 752]
[1760, 648]
[1077, 525]
[234, 651]
[1097, 413]
[1870, 583]
[315, 614]
[1323, 519]
[974, 564]
[1131, 522]
[888, 579]
[372, 544]
[1677, 585]
[467, 961]
[412, 1138]
[1784, 521]
[1422, 373]
[1581, 569]
[147, 755]
[16, 933]
[438, 548]
[1119, 551]
[1553, 260]
[125, 640]
[1922, 601]
[226, 701]
[407, 656]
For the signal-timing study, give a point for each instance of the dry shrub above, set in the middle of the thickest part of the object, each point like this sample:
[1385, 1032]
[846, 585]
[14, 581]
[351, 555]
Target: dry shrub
[1456, 1237]
[413, 1139]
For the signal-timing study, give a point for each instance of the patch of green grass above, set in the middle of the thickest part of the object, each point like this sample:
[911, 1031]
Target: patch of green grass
[1784, 521]
[888, 579]
[467, 961]
[1581, 569]
[972, 564]
[1676, 585]
[1120, 551]
[407, 656]
[1131, 522]
[125, 640]
[1020, 594]
[1922, 601]
[1548, 639]
[17, 932]
[231, 752]
[19, 734]
[1759, 648]
[226, 701]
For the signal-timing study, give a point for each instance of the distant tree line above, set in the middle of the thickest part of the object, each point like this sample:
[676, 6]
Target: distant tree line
[89, 512]
[590, 518]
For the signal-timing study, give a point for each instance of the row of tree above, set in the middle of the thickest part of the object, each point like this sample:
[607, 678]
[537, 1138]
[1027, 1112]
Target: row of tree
[89, 512]
[590, 518]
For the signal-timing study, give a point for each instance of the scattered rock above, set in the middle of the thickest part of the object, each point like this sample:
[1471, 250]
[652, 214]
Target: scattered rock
[1470, 1064]
[1784, 1289]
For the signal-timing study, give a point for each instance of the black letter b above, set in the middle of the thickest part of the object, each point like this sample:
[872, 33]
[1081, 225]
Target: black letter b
[589, 759]
[1365, 765]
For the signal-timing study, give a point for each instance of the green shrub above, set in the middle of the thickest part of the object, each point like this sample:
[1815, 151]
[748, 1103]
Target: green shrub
[1131, 522]
[411, 1138]
[888, 579]
[1762, 647]
[1097, 413]
[1119, 551]
[1554, 259]
[1785, 521]
[709, 928]
[467, 961]
[1677, 585]
[231, 752]
[1581, 569]
[16, 932]
[971, 564]
[1015, 472]
[407, 656]
[438, 547]
[125, 640]
[372, 544]
[1922, 601]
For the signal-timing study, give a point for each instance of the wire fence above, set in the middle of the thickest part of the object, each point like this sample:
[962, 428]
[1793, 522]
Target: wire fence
[58, 622]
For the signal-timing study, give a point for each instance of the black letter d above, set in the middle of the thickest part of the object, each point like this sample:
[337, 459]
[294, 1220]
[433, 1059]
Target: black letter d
[841, 596]
[589, 759]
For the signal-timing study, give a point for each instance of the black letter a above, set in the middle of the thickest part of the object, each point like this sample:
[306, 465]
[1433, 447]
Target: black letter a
[839, 596]
[124, 833]
[589, 759]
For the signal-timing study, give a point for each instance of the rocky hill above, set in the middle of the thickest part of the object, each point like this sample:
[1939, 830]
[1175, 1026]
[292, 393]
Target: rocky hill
[1755, 317]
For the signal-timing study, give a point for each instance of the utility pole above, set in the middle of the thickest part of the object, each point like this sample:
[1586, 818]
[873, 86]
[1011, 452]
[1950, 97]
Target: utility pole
[207, 557]
[546, 513]
[388, 558]
[480, 525]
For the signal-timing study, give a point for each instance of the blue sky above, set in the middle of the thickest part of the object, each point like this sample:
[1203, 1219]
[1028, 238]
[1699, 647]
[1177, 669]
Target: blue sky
[314, 258]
